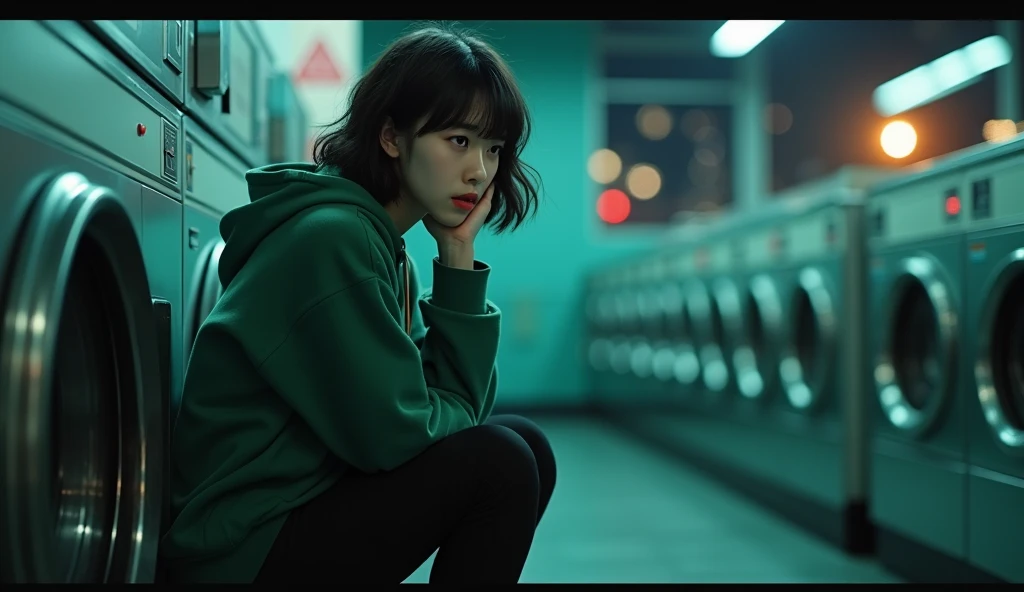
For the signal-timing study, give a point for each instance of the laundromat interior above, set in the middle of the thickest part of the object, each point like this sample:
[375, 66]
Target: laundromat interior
[769, 312]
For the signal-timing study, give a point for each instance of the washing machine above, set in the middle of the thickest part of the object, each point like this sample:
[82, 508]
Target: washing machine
[685, 314]
[89, 304]
[677, 362]
[214, 185]
[289, 125]
[711, 301]
[994, 252]
[663, 360]
[815, 447]
[751, 311]
[597, 332]
[607, 343]
[916, 340]
[623, 384]
[652, 357]
[742, 317]
[802, 451]
[228, 91]
[156, 49]
[674, 366]
[637, 359]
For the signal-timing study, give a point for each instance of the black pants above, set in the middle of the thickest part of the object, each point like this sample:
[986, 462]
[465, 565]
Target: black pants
[475, 497]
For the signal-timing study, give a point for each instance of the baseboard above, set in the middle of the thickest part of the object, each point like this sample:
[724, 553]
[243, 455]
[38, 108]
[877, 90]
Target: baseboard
[920, 563]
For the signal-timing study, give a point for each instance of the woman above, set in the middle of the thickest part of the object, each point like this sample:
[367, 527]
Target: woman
[332, 426]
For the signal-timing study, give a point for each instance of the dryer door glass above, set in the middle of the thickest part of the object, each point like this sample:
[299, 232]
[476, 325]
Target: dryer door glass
[688, 325]
[916, 368]
[806, 367]
[717, 324]
[756, 362]
[916, 349]
[595, 316]
[1008, 352]
[749, 359]
[755, 327]
[806, 333]
[83, 434]
[685, 366]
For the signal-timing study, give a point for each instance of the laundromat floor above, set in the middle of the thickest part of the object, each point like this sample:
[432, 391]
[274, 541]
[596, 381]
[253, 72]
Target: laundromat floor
[623, 512]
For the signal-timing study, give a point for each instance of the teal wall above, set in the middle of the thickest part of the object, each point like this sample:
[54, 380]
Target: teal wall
[538, 271]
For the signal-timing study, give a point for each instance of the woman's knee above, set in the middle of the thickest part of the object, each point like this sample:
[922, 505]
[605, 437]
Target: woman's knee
[534, 437]
[504, 455]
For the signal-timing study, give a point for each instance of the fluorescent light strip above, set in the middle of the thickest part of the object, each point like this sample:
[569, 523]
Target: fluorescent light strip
[942, 77]
[736, 38]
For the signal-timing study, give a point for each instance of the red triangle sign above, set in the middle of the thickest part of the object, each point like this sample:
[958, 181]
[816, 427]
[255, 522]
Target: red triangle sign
[319, 67]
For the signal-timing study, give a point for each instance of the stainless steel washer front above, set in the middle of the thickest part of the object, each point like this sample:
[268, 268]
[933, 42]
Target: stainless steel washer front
[80, 394]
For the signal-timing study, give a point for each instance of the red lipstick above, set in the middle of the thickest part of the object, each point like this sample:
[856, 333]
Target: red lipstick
[465, 202]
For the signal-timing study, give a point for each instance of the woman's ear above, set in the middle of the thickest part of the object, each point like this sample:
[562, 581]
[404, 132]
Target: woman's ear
[389, 138]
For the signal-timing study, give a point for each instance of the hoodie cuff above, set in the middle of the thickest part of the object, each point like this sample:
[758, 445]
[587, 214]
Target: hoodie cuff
[460, 290]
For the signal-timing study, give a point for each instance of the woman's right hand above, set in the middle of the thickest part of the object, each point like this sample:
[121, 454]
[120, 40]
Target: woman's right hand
[455, 244]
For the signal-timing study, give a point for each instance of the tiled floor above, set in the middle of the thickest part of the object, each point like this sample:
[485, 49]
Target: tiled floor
[622, 512]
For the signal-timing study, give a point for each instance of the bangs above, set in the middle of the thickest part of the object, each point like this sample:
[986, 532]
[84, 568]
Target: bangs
[494, 111]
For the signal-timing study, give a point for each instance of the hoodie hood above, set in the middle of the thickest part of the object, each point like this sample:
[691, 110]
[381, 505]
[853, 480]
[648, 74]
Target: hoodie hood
[279, 191]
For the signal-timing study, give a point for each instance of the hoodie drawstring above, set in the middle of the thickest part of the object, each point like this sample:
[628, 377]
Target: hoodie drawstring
[408, 306]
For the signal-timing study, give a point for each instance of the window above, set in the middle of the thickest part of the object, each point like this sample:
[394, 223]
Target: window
[668, 130]
[670, 159]
[668, 134]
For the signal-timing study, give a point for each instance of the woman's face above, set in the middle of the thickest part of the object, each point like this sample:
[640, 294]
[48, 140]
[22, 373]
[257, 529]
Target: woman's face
[439, 167]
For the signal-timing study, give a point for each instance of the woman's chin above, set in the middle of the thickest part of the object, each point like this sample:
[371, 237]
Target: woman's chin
[451, 218]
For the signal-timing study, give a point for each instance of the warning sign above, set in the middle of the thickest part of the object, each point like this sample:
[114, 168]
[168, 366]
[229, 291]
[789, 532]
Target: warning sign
[319, 67]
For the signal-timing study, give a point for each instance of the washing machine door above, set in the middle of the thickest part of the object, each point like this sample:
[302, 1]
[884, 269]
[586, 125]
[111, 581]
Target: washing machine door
[727, 319]
[708, 329]
[595, 347]
[915, 373]
[808, 356]
[999, 367]
[600, 312]
[80, 395]
[625, 317]
[648, 327]
[754, 358]
[208, 288]
[681, 329]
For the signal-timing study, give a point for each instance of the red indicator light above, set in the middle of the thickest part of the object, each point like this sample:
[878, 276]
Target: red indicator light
[952, 205]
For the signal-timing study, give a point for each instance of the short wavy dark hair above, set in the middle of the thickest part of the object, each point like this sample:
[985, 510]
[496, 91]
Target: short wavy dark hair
[441, 73]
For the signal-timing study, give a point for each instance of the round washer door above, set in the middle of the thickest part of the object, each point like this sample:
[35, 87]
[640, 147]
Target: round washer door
[809, 353]
[915, 372]
[681, 333]
[80, 400]
[208, 288]
[999, 366]
[596, 348]
[754, 360]
[704, 315]
[727, 321]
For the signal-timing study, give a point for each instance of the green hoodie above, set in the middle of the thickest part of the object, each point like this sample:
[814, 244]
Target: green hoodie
[312, 363]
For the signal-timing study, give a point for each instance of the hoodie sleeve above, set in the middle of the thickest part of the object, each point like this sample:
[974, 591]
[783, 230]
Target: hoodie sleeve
[367, 391]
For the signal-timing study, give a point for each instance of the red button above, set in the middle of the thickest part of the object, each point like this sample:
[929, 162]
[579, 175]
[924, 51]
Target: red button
[141, 129]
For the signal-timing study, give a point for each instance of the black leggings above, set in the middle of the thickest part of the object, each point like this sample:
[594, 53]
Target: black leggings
[476, 495]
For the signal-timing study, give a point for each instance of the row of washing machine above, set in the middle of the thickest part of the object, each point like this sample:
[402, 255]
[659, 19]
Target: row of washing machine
[852, 355]
[124, 142]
